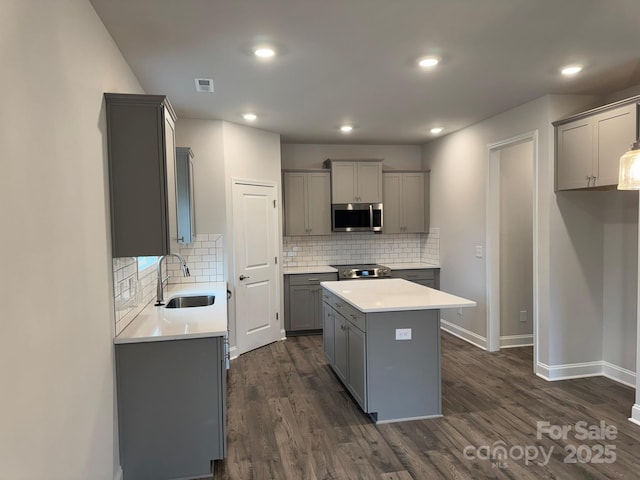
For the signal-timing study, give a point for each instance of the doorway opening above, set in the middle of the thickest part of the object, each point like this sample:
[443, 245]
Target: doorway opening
[512, 242]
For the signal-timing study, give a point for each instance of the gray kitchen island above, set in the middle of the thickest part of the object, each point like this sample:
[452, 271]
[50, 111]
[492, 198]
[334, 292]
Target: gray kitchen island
[382, 339]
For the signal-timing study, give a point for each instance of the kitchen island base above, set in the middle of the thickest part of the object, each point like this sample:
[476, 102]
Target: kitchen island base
[392, 380]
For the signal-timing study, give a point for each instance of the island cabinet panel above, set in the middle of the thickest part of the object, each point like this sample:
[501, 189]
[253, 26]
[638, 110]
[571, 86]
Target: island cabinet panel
[303, 302]
[328, 333]
[589, 146]
[390, 379]
[171, 407]
[340, 346]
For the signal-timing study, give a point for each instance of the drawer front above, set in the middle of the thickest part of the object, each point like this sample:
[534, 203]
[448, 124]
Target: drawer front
[350, 313]
[312, 278]
[411, 275]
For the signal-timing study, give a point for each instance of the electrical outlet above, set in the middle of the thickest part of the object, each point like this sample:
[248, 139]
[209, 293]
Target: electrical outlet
[403, 334]
[523, 316]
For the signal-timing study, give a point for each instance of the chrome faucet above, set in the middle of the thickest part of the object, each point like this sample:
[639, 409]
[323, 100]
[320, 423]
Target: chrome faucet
[162, 281]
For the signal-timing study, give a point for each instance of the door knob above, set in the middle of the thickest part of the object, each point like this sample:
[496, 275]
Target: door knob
[242, 277]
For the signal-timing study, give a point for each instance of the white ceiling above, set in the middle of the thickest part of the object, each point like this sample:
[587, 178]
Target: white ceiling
[354, 60]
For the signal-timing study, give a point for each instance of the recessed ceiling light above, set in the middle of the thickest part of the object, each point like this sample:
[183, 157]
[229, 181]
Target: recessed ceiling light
[571, 70]
[346, 128]
[249, 116]
[428, 62]
[264, 52]
[437, 130]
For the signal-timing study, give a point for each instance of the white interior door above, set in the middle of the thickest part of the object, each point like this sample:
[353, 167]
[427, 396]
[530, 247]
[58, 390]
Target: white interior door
[255, 245]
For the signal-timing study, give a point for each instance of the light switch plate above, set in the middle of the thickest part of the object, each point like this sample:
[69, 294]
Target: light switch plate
[479, 252]
[403, 334]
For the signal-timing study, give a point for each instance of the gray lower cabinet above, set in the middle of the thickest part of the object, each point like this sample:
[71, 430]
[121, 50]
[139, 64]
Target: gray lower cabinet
[171, 407]
[142, 184]
[429, 277]
[389, 379]
[303, 302]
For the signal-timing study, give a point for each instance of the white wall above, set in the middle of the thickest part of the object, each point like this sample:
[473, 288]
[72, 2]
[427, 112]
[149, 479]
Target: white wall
[205, 139]
[620, 218]
[249, 154]
[516, 239]
[396, 157]
[58, 412]
[458, 168]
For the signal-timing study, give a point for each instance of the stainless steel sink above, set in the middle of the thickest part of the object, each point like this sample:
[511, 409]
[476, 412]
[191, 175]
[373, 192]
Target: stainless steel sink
[191, 301]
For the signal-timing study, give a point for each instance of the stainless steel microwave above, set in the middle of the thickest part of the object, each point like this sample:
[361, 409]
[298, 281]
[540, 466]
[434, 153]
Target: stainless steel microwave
[356, 217]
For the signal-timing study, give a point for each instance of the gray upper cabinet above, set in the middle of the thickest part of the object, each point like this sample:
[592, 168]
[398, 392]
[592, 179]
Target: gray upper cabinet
[307, 203]
[405, 202]
[141, 145]
[184, 193]
[356, 181]
[589, 145]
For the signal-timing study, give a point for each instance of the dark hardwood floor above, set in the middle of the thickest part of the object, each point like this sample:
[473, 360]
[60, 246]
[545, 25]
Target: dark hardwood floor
[290, 418]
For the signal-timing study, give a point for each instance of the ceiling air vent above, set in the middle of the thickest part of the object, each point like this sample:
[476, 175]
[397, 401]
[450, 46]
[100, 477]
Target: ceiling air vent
[204, 85]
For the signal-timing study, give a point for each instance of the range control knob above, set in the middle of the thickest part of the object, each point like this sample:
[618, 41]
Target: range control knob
[346, 273]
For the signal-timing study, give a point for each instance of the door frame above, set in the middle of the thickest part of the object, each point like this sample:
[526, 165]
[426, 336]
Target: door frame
[237, 349]
[493, 239]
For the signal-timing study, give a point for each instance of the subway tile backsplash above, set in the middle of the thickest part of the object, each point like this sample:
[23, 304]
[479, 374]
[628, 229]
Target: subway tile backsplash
[348, 248]
[134, 290]
[204, 257]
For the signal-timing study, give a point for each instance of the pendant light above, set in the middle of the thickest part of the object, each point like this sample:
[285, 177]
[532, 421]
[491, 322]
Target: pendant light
[630, 169]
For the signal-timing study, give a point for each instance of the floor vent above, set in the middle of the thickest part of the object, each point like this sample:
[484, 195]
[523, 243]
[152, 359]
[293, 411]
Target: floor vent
[204, 85]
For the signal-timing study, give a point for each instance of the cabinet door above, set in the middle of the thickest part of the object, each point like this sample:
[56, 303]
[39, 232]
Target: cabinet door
[392, 190]
[356, 368]
[369, 182]
[413, 202]
[340, 345]
[302, 307]
[318, 203]
[575, 154]
[294, 204]
[317, 307]
[328, 332]
[343, 182]
[184, 195]
[614, 132]
[172, 201]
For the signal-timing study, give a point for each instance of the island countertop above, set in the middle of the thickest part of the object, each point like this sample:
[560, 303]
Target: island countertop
[392, 295]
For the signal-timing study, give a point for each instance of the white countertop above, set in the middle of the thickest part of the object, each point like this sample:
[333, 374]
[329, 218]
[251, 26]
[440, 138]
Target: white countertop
[410, 266]
[392, 295]
[159, 323]
[303, 270]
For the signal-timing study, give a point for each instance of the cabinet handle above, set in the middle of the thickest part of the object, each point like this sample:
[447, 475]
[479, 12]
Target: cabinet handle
[353, 317]
[312, 279]
[338, 304]
[181, 239]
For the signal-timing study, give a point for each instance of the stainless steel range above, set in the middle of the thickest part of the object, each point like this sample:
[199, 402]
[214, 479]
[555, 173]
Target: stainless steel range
[362, 272]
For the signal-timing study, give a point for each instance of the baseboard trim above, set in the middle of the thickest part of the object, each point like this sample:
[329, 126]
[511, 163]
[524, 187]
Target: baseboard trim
[119, 474]
[513, 341]
[619, 374]
[233, 353]
[635, 414]
[568, 371]
[586, 369]
[464, 334]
